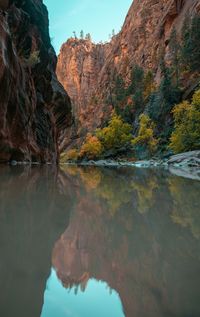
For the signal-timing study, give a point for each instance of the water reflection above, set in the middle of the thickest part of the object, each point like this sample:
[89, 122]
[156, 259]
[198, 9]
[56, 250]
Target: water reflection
[136, 230]
[33, 214]
[97, 299]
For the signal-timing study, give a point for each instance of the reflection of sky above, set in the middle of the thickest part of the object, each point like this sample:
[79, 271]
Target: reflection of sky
[95, 301]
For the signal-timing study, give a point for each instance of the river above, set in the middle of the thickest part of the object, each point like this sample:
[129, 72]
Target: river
[98, 242]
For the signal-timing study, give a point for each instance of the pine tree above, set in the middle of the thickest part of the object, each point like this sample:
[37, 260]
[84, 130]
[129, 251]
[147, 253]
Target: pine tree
[191, 43]
[82, 35]
[175, 55]
[88, 37]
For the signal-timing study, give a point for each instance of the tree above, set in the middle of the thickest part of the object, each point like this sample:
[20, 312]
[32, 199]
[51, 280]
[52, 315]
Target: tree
[116, 135]
[171, 93]
[149, 85]
[137, 80]
[92, 148]
[88, 37]
[191, 43]
[74, 33]
[136, 88]
[82, 35]
[175, 55]
[120, 92]
[186, 135]
[71, 155]
[145, 137]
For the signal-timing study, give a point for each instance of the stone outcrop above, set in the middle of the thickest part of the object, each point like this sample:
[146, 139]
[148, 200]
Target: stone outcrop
[144, 36]
[34, 108]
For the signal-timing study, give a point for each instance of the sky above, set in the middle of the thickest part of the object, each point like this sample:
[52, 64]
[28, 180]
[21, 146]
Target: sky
[97, 17]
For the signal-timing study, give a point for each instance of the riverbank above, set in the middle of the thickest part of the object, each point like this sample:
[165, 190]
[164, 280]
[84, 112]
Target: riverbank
[184, 164]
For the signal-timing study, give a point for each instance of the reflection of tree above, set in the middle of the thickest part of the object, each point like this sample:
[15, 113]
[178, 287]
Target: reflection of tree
[186, 208]
[116, 188]
[145, 188]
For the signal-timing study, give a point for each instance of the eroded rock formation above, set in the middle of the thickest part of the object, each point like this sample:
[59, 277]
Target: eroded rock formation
[34, 108]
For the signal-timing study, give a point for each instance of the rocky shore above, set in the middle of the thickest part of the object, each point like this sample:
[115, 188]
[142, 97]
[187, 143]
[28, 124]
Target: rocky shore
[184, 164]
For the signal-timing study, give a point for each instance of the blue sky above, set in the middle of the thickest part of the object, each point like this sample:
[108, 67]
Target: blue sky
[97, 17]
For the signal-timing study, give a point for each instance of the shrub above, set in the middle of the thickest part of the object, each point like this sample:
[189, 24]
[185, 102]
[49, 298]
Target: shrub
[71, 155]
[117, 134]
[145, 136]
[186, 136]
[33, 59]
[92, 148]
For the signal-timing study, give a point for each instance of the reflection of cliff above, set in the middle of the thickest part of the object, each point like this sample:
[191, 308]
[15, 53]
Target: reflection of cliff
[152, 262]
[33, 214]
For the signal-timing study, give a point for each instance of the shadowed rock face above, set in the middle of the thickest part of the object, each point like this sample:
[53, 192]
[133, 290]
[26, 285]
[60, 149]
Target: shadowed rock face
[144, 35]
[34, 212]
[34, 108]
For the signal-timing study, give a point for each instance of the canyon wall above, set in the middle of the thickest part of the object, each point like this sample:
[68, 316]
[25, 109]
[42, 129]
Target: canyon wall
[35, 110]
[79, 64]
[90, 77]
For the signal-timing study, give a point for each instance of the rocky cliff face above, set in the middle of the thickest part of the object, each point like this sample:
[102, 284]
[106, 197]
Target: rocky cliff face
[79, 65]
[34, 108]
[144, 36]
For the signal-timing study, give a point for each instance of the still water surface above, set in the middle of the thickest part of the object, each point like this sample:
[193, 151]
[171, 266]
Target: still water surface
[97, 242]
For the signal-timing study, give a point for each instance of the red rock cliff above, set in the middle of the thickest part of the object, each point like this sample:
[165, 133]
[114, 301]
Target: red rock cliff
[34, 108]
[144, 35]
[79, 65]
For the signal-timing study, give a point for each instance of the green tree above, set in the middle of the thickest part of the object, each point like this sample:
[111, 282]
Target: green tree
[137, 80]
[82, 35]
[136, 88]
[175, 49]
[191, 43]
[88, 37]
[171, 93]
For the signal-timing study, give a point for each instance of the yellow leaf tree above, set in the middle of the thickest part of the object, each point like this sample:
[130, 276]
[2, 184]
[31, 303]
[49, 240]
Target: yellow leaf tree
[186, 135]
[145, 136]
[92, 148]
[116, 134]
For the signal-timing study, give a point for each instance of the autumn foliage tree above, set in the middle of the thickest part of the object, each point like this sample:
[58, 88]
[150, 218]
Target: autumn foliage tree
[186, 136]
[92, 148]
[145, 136]
[116, 135]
